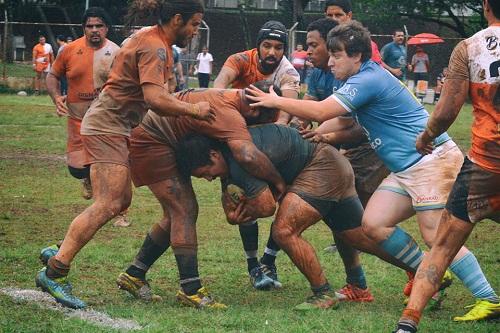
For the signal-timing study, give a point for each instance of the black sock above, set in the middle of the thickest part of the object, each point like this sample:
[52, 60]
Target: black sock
[270, 252]
[321, 289]
[250, 237]
[157, 241]
[188, 272]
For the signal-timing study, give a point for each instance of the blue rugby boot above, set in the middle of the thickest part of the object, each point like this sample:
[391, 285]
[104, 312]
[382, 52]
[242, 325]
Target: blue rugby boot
[272, 273]
[60, 289]
[47, 253]
[260, 280]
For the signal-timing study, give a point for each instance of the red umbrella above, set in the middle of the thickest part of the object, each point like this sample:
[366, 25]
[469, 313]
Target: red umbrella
[425, 38]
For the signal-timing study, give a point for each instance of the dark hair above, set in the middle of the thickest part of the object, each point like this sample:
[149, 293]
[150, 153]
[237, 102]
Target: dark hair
[273, 30]
[96, 12]
[397, 30]
[323, 26]
[61, 38]
[352, 38]
[150, 12]
[344, 4]
[193, 152]
[495, 7]
[267, 115]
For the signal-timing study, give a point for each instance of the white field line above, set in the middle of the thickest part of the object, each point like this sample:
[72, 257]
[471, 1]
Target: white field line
[46, 301]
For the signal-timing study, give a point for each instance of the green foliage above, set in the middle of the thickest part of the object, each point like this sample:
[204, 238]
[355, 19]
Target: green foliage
[446, 13]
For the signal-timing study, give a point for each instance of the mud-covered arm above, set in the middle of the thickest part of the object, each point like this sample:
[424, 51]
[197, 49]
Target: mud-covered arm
[247, 209]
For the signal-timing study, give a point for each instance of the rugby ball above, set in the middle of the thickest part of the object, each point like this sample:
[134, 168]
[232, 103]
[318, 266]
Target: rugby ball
[235, 192]
[22, 93]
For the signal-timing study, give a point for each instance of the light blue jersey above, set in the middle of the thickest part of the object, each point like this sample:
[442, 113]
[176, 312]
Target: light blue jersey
[391, 116]
[321, 84]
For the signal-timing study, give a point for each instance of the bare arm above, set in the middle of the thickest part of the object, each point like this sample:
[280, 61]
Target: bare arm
[452, 99]
[165, 104]
[225, 78]
[310, 110]
[256, 163]
[54, 89]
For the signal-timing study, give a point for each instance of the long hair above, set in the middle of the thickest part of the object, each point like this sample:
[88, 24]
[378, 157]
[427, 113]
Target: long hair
[150, 12]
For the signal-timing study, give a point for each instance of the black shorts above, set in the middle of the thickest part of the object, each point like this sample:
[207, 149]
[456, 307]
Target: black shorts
[339, 216]
[475, 196]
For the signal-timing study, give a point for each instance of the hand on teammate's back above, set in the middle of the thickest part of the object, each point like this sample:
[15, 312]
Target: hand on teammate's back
[61, 108]
[424, 144]
[205, 112]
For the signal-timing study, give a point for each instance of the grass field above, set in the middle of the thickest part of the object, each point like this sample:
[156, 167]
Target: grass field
[38, 199]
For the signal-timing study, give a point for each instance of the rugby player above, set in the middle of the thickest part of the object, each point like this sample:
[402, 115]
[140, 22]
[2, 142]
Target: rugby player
[86, 64]
[136, 82]
[265, 62]
[153, 164]
[369, 170]
[320, 186]
[392, 118]
[476, 193]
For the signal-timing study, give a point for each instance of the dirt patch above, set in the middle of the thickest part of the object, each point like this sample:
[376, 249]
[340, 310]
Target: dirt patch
[23, 156]
[47, 302]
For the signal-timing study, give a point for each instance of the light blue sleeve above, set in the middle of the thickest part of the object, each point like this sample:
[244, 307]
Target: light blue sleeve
[358, 91]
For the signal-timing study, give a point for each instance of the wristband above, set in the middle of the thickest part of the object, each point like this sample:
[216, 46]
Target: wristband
[195, 110]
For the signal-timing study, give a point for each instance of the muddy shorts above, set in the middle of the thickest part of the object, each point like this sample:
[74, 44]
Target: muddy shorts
[327, 184]
[475, 196]
[429, 181]
[369, 170]
[151, 161]
[75, 152]
[106, 149]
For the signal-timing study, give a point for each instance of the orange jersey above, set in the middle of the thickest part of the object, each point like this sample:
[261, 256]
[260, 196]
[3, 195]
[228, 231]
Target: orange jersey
[245, 64]
[145, 58]
[477, 60]
[86, 70]
[42, 56]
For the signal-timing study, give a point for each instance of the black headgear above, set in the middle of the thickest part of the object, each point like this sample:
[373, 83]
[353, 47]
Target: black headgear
[273, 30]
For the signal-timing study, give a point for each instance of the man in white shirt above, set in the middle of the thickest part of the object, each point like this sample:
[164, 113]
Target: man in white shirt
[205, 61]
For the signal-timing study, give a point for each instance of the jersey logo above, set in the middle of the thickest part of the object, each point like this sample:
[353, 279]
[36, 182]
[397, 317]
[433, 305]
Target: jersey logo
[491, 42]
[107, 53]
[494, 66]
[79, 52]
[162, 54]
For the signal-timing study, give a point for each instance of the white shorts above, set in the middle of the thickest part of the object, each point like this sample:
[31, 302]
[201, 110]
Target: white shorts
[429, 181]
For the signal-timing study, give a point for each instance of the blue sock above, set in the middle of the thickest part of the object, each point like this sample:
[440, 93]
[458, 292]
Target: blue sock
[467, 269]
[356, 276]
[403, 247]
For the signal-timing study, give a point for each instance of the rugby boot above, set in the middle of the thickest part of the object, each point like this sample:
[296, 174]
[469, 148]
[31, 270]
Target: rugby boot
[481, 310]
[259, 280]
[409, 285]
[201, 300]
[354, 294]
[136, 287]
[86, 189]
[47, 253]
[122, 220]
[405, 327]
[60, 289]
[271, 272]
[318, 301]
[446, 281]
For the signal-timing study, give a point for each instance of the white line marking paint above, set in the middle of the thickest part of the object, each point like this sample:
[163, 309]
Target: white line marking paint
[46, 301]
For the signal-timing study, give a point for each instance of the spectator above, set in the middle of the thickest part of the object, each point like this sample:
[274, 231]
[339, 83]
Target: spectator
[69, 39]
[43, 56]
[61, 41]
[299, 61]
[204, 61]
[440, 82]
[420, 65]
[180, 82]
[394, 55]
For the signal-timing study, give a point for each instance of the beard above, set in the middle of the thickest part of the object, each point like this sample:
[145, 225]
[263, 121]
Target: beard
[267, 67]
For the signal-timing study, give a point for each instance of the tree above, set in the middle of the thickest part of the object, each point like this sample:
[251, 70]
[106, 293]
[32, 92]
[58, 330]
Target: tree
[462, 16]
[295, 10]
